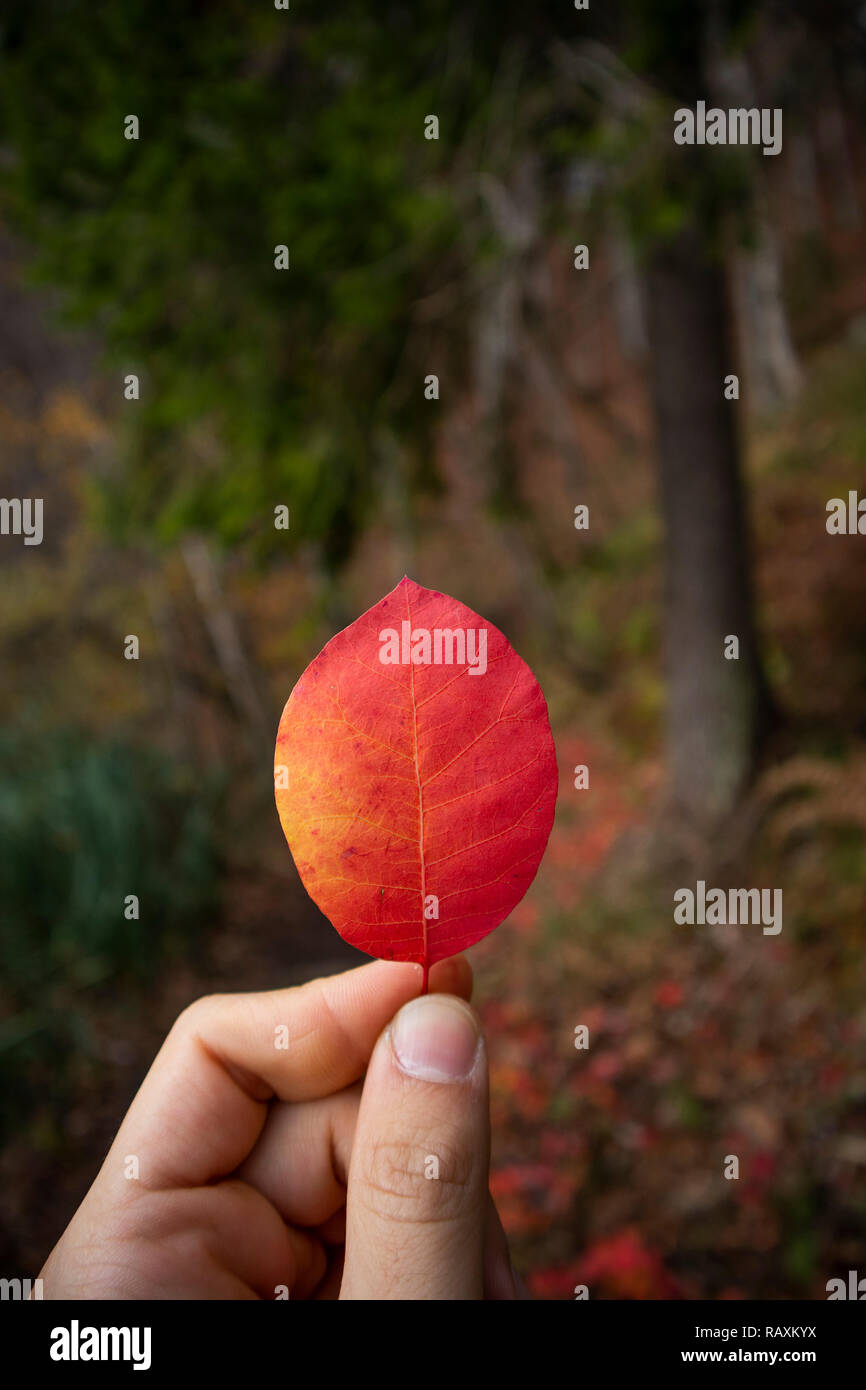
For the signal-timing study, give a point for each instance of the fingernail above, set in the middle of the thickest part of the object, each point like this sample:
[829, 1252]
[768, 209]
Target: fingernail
[435, 1038]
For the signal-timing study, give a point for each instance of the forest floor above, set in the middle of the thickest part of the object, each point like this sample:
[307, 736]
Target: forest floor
[609, 1158]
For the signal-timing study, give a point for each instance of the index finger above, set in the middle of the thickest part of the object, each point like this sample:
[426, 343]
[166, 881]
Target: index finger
[203, 1104]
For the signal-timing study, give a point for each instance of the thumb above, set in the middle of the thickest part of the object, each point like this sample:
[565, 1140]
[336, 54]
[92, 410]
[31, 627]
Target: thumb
[416, 1200]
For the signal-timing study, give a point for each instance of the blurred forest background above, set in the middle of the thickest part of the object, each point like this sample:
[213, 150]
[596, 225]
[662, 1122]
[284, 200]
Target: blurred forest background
[558, 387]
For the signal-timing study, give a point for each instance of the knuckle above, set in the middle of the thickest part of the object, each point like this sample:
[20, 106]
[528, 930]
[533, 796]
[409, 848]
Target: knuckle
[192, 1018]
[399, 1186]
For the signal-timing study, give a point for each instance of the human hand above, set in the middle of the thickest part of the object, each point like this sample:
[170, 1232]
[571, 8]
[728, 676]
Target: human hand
[263, 1168]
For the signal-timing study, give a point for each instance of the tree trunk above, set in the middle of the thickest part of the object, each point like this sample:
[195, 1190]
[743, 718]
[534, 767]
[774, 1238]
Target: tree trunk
[764, 338]
[804, 183]
[832, 139]
[627, 290]
[718, 709]
[228, 647]
[773, 372]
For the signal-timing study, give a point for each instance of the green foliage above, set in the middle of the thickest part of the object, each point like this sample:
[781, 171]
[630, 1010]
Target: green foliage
[800, 1213]
[259, 386]
[82, 826]
[261, 128]
[827, 434]
[668, 40]
[305, 128]
[630, 547]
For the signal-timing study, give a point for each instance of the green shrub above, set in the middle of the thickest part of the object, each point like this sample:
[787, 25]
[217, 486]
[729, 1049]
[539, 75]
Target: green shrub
[83, 826]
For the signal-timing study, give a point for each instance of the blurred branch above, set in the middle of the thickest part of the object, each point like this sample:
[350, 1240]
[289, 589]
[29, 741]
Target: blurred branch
[228, 647]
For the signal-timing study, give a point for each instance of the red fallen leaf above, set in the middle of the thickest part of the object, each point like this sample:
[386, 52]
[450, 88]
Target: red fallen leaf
[410, 787]
[623, 1265]
[559, 1281]
[606, 1066]
[556, 1143]
[669, 994]
[831, 1076]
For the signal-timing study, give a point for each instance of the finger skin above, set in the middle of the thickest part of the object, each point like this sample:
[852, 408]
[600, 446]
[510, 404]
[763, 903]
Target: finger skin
[409, 1233]
[224, 1242]
[301, 1161]
[202, 1105]
[155, 1222]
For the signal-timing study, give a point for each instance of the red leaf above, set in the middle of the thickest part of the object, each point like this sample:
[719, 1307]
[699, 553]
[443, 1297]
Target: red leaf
[669, 994]
[414, 785]
[558, 1281]
[622, 1265]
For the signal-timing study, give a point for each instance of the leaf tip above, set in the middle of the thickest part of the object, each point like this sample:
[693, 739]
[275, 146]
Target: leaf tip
[412, 585]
